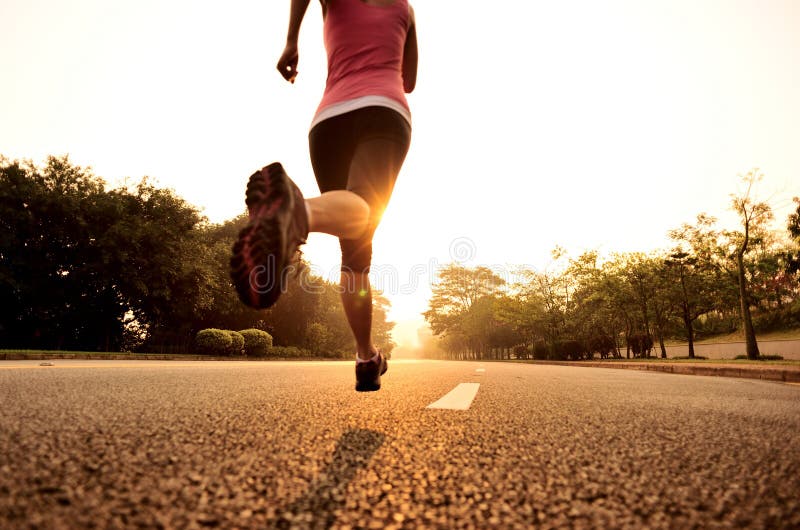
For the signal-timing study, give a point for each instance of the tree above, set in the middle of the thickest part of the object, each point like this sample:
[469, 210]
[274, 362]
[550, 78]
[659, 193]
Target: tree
[662, 306]
[638, 273]
[55, 289]
[699, 285]
[461, 308]
[753, 216]
[523, 311]
[793, 226]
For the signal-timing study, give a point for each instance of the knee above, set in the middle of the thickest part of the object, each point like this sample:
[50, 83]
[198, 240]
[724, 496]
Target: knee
[357, 254]
[363, 208]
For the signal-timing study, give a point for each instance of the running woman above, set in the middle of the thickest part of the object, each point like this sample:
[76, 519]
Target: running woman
[358, 141]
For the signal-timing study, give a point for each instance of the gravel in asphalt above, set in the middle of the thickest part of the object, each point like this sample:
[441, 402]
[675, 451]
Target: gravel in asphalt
[291, 445]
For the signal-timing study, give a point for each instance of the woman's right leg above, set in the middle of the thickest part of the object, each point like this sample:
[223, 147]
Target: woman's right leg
[340, 213]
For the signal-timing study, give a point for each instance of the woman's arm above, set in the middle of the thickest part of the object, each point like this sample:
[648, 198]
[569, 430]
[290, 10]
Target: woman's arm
[410, 56]
[287, 64]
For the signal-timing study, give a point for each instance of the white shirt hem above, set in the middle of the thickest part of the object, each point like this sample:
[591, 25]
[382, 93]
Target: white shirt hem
[350, 105]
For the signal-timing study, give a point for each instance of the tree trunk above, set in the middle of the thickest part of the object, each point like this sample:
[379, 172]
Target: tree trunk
[744, 306]
[661, 343]
[687, 321]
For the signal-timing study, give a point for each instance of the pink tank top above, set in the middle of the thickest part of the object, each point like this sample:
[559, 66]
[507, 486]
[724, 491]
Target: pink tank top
[365, 56]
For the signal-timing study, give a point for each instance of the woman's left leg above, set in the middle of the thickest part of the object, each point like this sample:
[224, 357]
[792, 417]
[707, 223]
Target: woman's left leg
[373, 172]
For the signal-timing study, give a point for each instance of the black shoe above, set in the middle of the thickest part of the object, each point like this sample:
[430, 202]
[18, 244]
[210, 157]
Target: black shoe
[269, 244]
[368, 373]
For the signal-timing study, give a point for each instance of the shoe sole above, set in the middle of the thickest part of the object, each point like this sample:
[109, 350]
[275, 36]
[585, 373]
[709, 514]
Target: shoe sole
[258, 264]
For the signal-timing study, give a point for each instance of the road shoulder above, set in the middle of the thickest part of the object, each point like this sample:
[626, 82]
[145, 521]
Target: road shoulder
[781, 373]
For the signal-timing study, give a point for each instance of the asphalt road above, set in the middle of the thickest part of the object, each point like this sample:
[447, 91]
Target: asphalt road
[291, 445]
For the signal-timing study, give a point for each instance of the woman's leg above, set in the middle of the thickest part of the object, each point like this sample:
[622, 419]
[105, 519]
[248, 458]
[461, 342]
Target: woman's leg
[356, 159]
[376, 164]
[357, 304]
[340, 213]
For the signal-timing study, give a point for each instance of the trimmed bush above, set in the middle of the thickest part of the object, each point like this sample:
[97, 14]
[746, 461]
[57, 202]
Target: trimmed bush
[213, 341]
[237, 343]
[288, 352]
[571, 350]
[256, 342]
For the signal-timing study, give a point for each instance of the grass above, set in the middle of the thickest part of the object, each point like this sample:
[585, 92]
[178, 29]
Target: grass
[738, 336]
[179, 356]
[155, 356]
[71, 352]
[684, 360]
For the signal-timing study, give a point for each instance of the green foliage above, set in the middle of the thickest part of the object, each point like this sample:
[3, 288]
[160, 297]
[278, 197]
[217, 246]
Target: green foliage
[215, 342]
[633, 299]
[601, 344]
[256, 342]
[76, 258]
[641, 344]
[83, 267]
[288, 352]
[237, 343]
[317, 339]
[571, 350]
[463, 308]
[541, 351]
[760, 358]
[793, 254]
[786, 317]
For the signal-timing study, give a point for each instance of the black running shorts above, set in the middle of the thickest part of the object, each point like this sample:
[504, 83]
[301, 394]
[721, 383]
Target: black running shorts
[360, 151]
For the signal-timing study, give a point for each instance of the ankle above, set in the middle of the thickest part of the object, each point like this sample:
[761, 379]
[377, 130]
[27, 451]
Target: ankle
[366, 354]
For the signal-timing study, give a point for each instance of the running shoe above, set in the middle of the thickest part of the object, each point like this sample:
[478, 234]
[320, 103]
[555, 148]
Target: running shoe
[269, 245]
[368, 373]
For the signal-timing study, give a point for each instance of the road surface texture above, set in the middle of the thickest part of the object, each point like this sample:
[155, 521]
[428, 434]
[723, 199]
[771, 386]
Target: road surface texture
[291, 445]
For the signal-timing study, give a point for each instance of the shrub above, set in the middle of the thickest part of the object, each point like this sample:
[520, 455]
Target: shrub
[213, 342]
[317, 337]
[237, 343]
[256, 342]
[602, 344]
[760, 358]
[787, 317]
[641, 344]
[288, 352]
[571, 350]
[540, 351]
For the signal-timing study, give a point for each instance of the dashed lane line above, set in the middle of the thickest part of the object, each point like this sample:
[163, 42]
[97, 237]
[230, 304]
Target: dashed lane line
[460, 398]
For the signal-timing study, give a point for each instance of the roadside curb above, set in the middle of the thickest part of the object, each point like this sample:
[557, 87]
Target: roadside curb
[91, 357]
[142, 357]
[783, 374]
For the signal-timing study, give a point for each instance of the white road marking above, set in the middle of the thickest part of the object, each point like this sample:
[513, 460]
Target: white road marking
[481, 370]
[460, 398]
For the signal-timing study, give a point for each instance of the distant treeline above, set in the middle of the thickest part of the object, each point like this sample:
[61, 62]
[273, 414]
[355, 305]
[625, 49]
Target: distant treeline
[711, 282]
[84, 267]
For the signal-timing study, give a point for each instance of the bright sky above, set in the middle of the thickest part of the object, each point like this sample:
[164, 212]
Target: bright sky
[585, 124]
